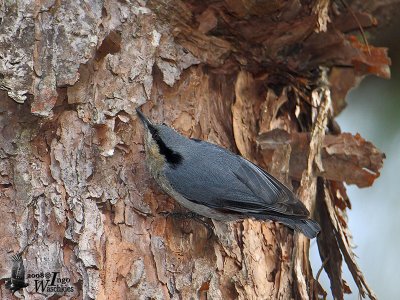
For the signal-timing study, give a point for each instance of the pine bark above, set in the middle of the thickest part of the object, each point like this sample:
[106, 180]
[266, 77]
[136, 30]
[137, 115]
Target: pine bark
[262, 79]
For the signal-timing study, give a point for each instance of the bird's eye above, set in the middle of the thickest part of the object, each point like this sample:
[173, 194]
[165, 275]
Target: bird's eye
[155, 135]
[164, 124]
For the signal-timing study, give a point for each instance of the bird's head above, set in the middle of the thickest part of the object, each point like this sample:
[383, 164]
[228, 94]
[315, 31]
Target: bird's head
[161, 142]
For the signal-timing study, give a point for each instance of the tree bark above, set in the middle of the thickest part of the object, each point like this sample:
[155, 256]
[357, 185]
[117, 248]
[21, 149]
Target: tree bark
[262, 79]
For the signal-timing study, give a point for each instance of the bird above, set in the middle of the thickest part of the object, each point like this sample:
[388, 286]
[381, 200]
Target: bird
[216, 183]
[17, 279]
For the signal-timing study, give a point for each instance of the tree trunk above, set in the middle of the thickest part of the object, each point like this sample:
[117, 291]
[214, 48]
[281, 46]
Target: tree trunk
[262, 79]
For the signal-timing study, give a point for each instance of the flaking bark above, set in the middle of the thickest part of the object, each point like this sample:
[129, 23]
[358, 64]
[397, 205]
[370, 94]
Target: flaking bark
[264, 80]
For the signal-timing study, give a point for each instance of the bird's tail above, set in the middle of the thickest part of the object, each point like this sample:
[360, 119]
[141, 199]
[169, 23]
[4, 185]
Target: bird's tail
[308, 227]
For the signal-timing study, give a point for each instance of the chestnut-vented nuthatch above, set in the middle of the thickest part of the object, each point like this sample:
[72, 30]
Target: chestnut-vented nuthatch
[216, 183]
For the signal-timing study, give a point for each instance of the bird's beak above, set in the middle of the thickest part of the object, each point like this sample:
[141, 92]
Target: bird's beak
[143, 118]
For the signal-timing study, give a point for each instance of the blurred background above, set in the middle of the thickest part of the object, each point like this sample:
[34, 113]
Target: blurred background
[374, 111]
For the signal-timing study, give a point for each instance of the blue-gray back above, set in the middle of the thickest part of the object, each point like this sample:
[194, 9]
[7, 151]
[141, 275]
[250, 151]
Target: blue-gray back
[215, 177]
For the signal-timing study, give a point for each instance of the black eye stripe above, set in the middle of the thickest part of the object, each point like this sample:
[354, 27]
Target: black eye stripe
[153, 131]
[172, 157]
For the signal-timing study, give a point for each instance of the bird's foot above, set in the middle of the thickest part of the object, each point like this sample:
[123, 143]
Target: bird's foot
[190, 215]
[179, 214]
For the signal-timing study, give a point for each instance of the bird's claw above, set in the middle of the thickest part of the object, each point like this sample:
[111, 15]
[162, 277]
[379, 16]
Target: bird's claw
[189, 215]
[179, 215]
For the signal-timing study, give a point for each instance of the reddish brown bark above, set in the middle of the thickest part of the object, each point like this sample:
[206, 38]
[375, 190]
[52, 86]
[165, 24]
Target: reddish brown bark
[73, 184]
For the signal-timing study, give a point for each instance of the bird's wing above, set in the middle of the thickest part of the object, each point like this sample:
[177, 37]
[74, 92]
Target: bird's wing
[265, 186]
[231, 183]
[18, 270]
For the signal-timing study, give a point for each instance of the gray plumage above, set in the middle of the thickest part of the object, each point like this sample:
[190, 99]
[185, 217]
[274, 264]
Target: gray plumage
[219, 184]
